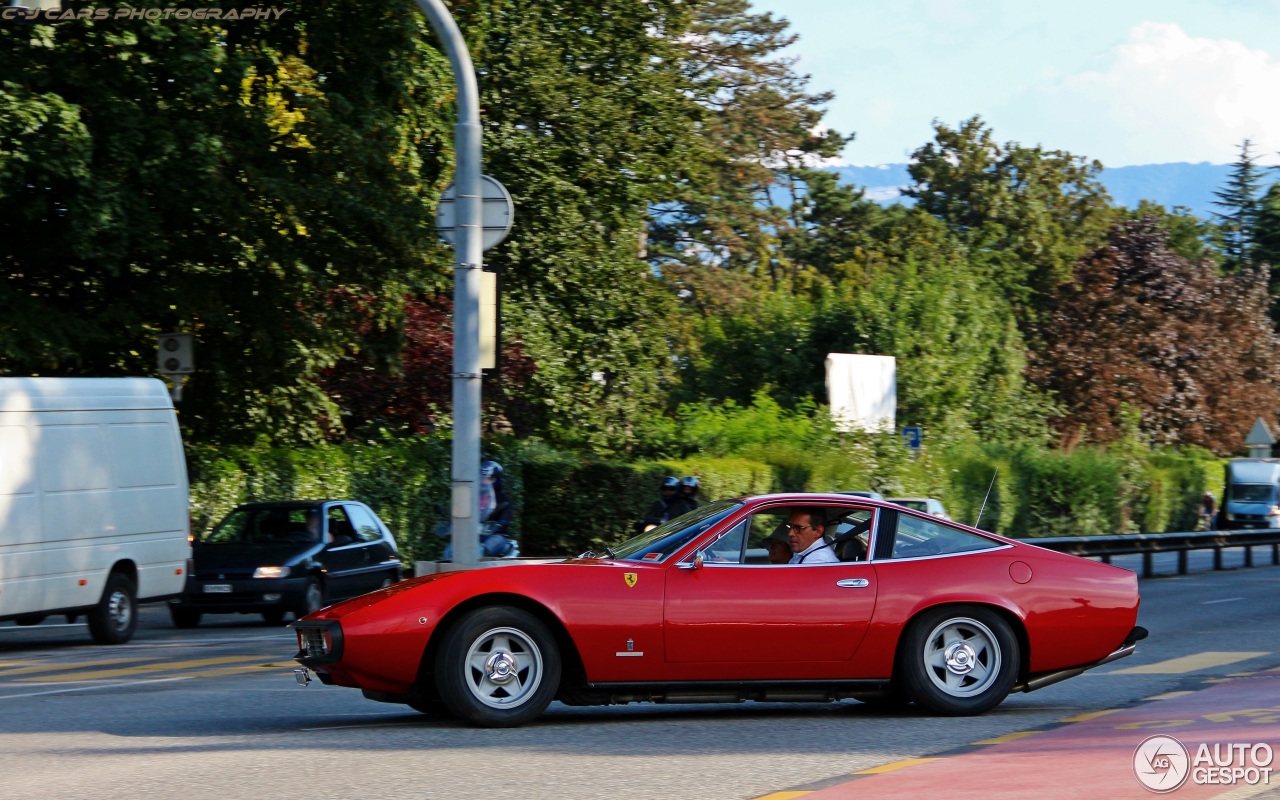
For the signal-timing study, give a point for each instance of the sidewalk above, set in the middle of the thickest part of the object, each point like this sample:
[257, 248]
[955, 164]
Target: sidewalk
[1092, 757]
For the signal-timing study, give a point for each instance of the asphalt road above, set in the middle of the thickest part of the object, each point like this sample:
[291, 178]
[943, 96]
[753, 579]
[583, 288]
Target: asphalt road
[215, 713]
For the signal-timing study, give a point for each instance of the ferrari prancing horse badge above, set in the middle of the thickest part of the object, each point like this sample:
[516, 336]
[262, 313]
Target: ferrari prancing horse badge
[630, 578]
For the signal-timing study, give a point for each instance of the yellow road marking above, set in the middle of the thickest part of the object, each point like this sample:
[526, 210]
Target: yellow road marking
[896, 765]
[1008, 737]
[1168, 695]
[164, 666]
[30, 668]
[1090, 715]
[1191, 663]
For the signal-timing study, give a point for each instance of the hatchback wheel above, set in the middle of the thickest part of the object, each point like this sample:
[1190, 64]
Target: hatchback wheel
[312, 599]
[498, 667]
[959, 660]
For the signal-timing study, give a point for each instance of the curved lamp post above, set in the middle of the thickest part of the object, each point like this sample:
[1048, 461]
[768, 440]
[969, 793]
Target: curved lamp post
[465, 505]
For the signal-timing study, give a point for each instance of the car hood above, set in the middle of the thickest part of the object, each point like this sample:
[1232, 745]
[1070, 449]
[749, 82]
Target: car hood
[246, 557]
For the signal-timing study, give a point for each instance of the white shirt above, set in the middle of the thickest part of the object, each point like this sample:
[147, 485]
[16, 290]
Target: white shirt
[817, 553]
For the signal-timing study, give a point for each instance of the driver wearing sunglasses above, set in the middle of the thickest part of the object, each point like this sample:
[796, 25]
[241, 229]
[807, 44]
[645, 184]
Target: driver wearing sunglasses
[804, 533]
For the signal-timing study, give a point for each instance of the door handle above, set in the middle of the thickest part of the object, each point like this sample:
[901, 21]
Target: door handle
[853, 583]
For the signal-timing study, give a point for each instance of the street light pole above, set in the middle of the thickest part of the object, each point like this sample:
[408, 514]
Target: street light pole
[465, 506]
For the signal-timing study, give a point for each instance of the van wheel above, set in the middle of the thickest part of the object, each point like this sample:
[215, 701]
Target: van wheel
[113, 620]
[29, 619]
[184, 617]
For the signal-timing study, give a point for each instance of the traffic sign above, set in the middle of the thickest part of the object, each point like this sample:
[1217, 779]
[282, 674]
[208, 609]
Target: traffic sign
[911, 437]
[496, 212]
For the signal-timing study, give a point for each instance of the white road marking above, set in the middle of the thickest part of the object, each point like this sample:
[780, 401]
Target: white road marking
[1223, 600]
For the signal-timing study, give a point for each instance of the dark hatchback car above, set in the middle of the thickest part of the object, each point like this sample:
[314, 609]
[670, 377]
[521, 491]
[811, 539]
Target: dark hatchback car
[299, 556]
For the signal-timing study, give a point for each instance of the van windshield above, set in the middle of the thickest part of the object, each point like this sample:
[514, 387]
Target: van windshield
[267, 526]
[1251, 492]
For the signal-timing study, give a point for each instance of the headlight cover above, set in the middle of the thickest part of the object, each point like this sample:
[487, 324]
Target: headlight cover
[271, 572]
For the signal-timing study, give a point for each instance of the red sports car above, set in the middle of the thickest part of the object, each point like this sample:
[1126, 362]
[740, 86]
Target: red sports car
[889, 606]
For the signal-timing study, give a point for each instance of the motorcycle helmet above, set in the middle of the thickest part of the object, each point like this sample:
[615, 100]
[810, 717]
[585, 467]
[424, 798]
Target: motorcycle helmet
[490, 469]
[670, 482]
[689, 482]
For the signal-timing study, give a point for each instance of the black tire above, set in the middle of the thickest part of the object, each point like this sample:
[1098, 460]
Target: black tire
[184, 617]
[432, 708]
[519, 678]
[958, 660]
[312, 599]
[275, 616]
[114, 618]
[28, 619]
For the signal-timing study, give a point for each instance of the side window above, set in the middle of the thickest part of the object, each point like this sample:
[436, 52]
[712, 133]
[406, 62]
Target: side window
[845, 529]
[367, 529]
[341, 531]
[918, 537]
[728, 548]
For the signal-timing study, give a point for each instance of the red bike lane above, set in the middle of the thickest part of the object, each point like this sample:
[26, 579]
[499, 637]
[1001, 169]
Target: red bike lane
[1097, 757]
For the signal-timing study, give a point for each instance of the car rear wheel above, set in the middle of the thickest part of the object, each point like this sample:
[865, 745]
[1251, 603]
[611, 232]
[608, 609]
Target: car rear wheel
[114, 618]
[497, 667]
[959, 660]
[184, 617]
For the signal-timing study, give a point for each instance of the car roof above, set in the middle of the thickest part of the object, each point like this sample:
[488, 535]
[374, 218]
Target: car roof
[290, 503]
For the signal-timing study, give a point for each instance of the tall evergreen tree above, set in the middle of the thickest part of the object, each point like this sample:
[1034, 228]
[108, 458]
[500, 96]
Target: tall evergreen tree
[1240, 201]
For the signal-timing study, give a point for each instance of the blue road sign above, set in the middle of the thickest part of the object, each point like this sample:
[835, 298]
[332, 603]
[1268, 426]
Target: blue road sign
[911, 437]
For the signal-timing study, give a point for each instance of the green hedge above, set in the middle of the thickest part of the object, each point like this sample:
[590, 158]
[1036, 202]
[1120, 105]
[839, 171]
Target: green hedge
[566, 503]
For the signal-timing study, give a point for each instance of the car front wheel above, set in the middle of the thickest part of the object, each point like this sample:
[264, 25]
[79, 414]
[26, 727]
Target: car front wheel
[959, 660]
[312, 599]
[497, 667]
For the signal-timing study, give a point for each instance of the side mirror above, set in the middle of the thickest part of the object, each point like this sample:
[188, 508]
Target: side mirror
[699, 558]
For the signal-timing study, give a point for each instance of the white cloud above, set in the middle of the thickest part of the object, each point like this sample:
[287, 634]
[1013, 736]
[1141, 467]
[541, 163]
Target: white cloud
[1160, 96]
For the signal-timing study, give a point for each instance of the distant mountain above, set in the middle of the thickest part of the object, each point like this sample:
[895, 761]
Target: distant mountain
[1189, 185]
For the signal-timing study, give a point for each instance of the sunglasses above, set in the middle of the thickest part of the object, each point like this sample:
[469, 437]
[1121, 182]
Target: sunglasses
[798, 528]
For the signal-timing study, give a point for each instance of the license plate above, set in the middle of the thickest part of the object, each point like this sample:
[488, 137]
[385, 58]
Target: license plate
[217, 588]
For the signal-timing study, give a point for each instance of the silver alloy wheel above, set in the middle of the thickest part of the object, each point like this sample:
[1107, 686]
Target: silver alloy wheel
[962, 657]
[504, 667]
[119, 610]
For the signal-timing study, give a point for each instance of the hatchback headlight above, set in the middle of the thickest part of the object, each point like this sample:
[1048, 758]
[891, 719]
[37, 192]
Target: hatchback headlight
[271, 572]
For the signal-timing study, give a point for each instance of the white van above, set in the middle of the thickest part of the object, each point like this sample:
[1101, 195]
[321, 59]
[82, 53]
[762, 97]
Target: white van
[93, 501]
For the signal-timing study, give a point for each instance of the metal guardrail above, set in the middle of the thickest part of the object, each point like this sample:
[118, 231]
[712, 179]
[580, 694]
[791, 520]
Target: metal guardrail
[1148, 544]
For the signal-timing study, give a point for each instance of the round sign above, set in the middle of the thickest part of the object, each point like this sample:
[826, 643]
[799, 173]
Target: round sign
[1161, 763]
[496, 212]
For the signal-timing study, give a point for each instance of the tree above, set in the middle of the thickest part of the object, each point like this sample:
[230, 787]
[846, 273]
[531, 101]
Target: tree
[1239, 201]
[1030, 212]
[239, 180]
[1141, 331]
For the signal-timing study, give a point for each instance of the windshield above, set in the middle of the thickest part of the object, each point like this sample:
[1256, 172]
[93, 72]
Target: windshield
[267, 526]
[662, 541]
[1252, 492]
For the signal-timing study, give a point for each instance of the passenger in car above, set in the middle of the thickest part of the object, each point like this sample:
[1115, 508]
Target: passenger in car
[804, 532]
[778, 546]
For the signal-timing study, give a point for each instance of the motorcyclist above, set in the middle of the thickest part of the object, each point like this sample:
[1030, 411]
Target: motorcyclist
[660, 511]
[496, 513]
[689, 493]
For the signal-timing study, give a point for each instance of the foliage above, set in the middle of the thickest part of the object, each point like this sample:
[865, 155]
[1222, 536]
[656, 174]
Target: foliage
[1031, 212]
[239, 180]
[1141, 330]
[1239, 201]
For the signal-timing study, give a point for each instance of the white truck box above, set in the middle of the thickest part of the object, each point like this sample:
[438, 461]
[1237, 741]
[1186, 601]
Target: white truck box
[93, 500]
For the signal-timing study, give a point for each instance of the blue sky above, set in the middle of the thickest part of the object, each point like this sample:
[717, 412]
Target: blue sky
[1125, 81]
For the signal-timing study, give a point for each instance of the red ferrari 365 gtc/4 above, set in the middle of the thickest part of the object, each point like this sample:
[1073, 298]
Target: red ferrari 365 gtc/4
[911, 608]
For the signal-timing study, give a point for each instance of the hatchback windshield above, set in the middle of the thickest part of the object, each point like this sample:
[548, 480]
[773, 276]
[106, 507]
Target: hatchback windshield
[662, 541]
[268, 526]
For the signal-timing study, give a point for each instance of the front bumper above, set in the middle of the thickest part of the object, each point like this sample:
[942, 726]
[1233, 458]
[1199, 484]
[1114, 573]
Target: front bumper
[242, 594]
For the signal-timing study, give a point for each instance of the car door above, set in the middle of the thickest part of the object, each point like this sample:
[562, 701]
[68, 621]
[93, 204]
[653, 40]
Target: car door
[767, 618]
[343, 556]
[375, 553]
